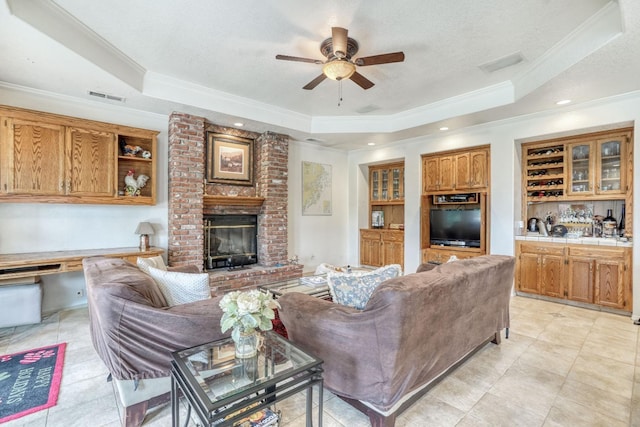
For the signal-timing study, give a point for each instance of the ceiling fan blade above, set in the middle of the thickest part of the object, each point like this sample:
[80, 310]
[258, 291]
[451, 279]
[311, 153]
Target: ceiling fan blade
[298, 59]
[339, 41]
[361, 81]
[315, 82]
[385, 58]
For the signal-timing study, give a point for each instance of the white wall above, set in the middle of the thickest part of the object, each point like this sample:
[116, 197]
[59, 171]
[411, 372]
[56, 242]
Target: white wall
[36, 227]
[318, 239]
[504, 138]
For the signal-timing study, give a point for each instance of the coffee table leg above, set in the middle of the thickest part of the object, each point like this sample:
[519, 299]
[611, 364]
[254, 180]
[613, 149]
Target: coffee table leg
[310, 407]
[175, 410]
[320, 410]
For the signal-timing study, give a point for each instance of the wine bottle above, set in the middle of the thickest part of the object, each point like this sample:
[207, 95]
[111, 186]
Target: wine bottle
[609, 225]
[621, 225]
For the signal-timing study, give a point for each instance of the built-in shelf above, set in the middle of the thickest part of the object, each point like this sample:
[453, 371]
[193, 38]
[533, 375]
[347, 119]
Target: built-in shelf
[220, 200]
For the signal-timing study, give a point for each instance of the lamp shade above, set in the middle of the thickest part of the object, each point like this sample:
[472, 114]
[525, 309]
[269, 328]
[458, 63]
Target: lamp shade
[144, 228]
[338, 69]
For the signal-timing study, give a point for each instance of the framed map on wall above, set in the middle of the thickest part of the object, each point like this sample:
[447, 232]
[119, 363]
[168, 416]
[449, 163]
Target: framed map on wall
[316, 189]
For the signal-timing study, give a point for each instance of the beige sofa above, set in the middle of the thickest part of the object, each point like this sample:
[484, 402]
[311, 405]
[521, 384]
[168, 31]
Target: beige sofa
[413, 330]
[134, 331]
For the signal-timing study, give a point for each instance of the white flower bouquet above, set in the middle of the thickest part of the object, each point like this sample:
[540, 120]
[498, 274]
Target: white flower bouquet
[246, 311]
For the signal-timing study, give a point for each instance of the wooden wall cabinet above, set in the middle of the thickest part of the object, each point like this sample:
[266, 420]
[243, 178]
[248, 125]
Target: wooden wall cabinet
[593, 275]
[590, 167]
[541, 270]
[386, 183]
[460, 171]
[381, 247]
[57, 159]
[600, 276]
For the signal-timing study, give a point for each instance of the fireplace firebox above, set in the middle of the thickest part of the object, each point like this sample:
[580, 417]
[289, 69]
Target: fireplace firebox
[230, 241]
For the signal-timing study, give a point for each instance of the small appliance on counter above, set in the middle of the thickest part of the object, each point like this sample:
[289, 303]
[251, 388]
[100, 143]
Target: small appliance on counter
[559, 230]
[532, 224]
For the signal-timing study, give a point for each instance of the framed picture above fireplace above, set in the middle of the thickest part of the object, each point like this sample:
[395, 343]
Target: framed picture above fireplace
[229, 159]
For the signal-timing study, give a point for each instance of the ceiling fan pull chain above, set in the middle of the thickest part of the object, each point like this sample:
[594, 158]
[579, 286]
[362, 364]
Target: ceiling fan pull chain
[339, 93]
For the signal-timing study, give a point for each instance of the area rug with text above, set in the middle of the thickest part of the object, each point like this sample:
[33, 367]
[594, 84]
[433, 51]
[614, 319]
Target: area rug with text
[30, 381]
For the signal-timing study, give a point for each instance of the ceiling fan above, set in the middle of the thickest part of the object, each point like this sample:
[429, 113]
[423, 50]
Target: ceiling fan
[339, 65]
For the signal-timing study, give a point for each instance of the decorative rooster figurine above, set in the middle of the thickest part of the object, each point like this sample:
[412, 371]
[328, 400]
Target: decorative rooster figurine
[133, 185]
[128, 149]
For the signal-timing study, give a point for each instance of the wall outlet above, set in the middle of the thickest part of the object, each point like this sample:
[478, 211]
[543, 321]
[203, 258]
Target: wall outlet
[80, 293]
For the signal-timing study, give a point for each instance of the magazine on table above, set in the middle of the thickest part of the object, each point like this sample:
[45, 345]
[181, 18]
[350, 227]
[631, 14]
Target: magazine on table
[314, 281]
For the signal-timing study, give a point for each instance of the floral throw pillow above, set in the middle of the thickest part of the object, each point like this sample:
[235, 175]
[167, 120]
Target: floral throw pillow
[355, 289]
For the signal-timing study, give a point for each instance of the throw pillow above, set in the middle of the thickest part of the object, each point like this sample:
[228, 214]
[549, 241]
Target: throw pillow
[355, 289]
[181, 288]
[154, 261]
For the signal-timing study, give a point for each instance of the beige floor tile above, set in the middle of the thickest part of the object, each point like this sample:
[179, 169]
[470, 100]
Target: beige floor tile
[579, 312]
[529, 387]
[345, 414]
[429, 411]
[95, 412]
[604, 373]
[566, 413]
[611, 346]
[556, 334]
[598, 400]
[497, 411]
[616, 321]
[458, 393]
[327, 421]
[556, 358]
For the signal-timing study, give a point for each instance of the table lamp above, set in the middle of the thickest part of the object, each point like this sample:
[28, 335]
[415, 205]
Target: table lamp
[144, 229]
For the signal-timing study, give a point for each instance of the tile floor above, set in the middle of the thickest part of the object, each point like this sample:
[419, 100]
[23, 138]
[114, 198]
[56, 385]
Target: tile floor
[561, 366]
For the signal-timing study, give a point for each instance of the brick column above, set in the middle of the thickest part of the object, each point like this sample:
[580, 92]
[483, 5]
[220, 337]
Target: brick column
[271, 182]
[186, 189]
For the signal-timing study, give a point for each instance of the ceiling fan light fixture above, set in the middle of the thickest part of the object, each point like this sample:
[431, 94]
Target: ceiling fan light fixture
[338, 69]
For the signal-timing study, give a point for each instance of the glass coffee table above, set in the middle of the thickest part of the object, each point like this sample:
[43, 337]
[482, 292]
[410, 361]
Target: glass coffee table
[315, 286]
[224, 390]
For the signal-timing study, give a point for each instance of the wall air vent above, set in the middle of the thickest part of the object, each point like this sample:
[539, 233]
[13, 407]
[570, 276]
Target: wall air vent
[107, 96]
[500, 63]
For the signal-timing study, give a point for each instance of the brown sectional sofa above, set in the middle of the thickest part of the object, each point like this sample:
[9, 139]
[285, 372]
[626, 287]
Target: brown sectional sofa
[414, 329]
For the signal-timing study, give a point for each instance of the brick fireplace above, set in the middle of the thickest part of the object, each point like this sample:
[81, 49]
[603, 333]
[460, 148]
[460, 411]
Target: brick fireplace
[190, 199]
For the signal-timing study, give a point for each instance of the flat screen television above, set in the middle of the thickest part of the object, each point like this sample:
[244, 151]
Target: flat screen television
[455, 227]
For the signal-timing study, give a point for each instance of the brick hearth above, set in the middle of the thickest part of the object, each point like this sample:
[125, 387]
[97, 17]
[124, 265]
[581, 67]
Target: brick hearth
[187, 146]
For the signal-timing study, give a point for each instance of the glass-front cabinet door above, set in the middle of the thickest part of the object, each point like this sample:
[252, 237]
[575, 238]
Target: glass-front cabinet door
[581, 160]
[397, 183]
[610, 166]
[385, 185]
[375, 184]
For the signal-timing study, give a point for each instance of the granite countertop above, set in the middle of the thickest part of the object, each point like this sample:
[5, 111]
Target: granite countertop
[598, 241]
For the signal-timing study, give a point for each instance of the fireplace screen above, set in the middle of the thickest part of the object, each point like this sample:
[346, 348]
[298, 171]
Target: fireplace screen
[230, 240]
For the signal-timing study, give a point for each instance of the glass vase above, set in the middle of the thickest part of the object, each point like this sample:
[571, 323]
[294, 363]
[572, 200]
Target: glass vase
[247, 343]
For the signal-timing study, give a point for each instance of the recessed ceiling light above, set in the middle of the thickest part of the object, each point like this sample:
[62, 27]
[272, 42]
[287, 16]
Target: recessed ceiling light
[444, 128]
[371, 143]
[238, 124]
[563, 102]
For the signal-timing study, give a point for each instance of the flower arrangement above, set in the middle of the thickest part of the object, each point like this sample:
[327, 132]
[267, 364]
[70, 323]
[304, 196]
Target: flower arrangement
[245, 311]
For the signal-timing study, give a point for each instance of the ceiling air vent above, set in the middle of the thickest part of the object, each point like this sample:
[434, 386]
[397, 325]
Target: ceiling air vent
[500, 63]
[106, 96]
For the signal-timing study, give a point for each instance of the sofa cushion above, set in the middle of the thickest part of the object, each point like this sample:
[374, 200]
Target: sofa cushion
[154, 261]
[355, 289]
[181, 288]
